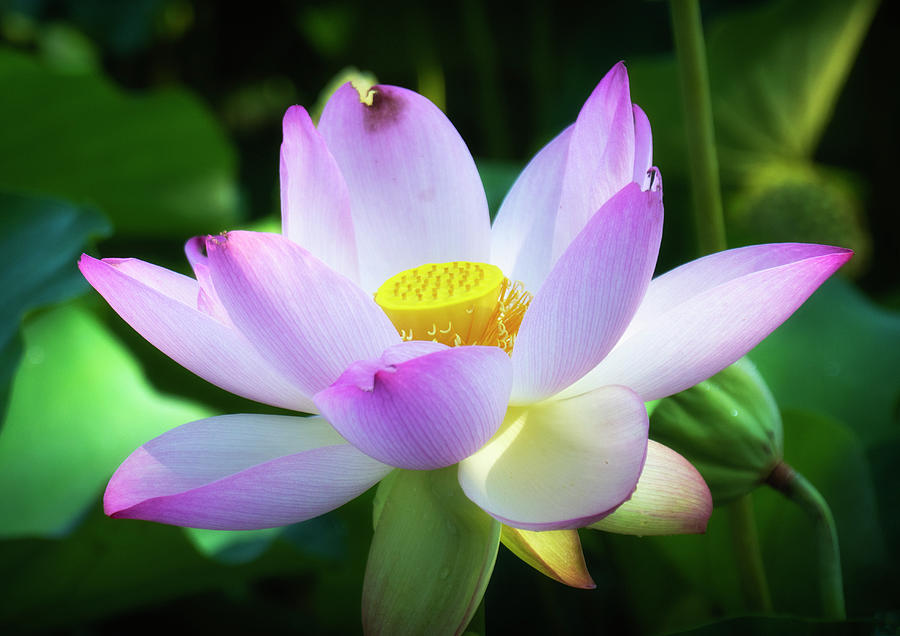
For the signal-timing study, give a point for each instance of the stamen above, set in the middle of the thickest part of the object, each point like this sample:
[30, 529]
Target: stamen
[512, 303]
[476, 302]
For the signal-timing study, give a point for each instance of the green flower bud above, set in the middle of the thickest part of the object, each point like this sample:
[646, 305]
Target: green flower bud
[728, 427]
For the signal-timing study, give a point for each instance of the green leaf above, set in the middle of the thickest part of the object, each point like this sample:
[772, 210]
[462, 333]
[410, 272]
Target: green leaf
[431, 557]
[38, 250]
[79, 405]
[839, 354]
[156, 164]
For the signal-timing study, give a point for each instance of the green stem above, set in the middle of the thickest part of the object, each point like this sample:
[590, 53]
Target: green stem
[690, 50]
[795, 487]
[747, 554]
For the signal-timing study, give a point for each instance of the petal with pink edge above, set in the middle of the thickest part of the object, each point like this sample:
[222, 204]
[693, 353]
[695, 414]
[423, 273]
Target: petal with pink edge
[601, 156]
[522, 234]
[304, 317]
[590, 296]
[671, 498]
[415, 194]
[424, 412]
[315, 203]
[162, 306]
[702, 316]
[240, 472]
[560, 464]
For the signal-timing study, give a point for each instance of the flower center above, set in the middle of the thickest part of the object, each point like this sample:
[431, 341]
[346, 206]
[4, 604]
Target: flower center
[458, 303]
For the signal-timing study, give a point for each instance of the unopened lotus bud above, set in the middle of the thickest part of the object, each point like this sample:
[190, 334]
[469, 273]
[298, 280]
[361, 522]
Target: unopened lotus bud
[728, 427]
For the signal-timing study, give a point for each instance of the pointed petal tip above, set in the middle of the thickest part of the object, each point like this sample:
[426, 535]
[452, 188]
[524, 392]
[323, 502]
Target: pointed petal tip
[618, 74]
[240, 472]
[716, 308]
[113, 506]
[834, 260]
[556, 554]
[845, 252]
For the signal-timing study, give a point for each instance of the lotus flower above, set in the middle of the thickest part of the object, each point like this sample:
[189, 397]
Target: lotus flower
[425, 338]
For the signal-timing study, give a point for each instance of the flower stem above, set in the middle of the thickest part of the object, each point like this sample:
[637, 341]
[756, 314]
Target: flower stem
[690, 50]
[795, 487]
[745, 541]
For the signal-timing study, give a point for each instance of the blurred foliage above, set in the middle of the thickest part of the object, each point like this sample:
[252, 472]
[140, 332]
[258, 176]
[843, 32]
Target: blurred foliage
[775, 72]
[41, 241]
[842, 361]
[78, 406]
[156, 165]
[158, 119]
[106, 567]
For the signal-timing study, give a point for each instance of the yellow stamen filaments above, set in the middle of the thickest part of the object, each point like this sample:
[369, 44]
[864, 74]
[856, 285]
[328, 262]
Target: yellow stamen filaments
[458, 303]
[511, 306]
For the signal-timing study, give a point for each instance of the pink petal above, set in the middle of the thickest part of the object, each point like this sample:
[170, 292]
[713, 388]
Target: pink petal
[643, 148]
[315, 203]
[162, 306]
[601, 156]
[421, 413]
[522, 234]
[703, 316]
[415, 194]
[240, 472]
[306, 319]
[207, 298]
[671, 498]
[562, 463]
[590, 296]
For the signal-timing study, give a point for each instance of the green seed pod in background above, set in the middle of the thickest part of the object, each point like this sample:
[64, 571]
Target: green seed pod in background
[728, 427]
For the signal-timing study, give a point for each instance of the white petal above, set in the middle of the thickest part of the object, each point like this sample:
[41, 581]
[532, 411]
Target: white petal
[561, 463]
